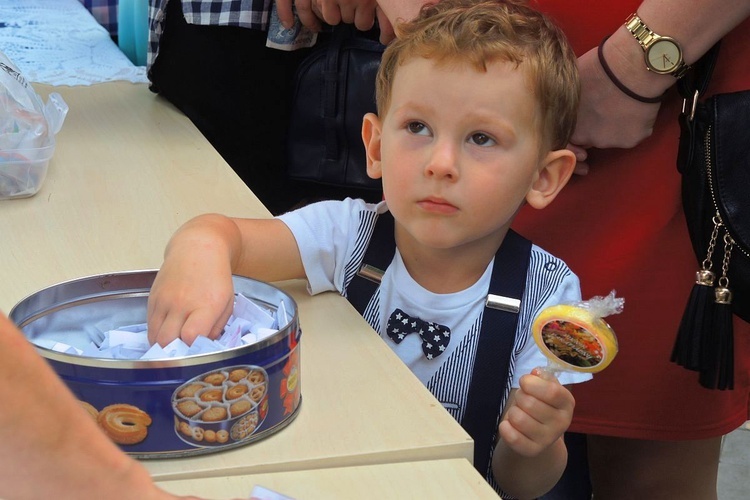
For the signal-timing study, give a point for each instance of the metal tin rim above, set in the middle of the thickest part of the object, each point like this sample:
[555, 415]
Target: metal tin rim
[196, 359]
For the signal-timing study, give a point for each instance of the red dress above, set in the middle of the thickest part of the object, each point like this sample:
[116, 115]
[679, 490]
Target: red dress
[621, 227]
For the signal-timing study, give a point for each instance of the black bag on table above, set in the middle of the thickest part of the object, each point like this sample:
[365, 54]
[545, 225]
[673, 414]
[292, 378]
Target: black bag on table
[334, 89]
[714, 160]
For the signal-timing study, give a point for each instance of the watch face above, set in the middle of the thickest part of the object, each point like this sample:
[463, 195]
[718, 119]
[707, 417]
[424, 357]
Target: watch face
[663, 56]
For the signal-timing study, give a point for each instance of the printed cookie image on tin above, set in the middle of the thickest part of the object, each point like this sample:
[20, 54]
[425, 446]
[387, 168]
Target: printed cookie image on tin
[221, 407]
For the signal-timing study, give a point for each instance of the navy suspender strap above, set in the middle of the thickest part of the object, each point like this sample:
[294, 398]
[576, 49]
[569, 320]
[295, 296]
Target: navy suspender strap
[496, 337]
[495, 347]
[380, 251]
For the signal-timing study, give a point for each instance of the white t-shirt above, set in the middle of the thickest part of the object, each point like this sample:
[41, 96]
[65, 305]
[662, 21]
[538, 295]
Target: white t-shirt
[331, 236]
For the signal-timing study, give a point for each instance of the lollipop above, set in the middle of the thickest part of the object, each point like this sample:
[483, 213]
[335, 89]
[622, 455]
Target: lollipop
[574, 337]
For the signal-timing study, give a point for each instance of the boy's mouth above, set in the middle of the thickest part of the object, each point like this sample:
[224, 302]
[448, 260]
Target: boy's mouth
[437, 205]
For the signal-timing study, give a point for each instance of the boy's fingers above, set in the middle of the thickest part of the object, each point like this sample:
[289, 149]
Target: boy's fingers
[517, 440]
[155, 320]
[204, 322]
[529, 411]
[169, 329]
[540, 385]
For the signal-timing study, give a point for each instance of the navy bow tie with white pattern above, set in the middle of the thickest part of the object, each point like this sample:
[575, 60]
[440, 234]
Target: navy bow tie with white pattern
[435, 337]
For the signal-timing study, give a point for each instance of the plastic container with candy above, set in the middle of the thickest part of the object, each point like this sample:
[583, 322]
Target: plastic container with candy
[27, 132]
[575, 337]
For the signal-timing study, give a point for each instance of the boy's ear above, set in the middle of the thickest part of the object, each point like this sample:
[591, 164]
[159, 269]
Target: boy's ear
[371, 131]
[555, 171]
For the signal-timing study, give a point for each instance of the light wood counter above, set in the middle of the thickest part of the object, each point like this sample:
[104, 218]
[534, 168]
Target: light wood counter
[434, 479]
[128, 170]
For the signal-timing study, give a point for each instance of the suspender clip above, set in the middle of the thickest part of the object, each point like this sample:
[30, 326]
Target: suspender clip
[371, 273]
[507, 304]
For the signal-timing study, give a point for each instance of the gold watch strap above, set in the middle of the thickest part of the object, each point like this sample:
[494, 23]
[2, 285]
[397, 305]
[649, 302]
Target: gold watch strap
[640, 31]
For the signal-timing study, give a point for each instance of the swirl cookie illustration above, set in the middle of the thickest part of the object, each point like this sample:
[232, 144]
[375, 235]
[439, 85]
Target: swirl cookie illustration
[124, 423]
[90, 409]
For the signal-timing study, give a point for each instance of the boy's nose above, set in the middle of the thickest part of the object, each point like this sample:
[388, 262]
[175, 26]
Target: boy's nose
[443, 160]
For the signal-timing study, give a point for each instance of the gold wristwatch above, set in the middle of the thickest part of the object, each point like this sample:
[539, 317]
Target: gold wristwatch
[663, 54]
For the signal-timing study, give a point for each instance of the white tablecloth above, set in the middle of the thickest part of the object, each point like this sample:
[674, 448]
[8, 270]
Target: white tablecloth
[58, 42]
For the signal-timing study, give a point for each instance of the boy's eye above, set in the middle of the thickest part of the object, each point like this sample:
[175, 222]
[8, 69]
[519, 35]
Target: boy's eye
[417, 128]
[481, 139]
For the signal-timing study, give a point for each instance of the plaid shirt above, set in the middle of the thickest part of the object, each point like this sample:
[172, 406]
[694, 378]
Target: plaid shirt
[252, 14]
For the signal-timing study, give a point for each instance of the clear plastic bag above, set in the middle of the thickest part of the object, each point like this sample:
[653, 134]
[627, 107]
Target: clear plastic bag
[27, 132]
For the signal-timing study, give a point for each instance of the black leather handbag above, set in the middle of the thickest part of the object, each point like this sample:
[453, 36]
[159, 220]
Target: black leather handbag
[334, 89]
[714, 160]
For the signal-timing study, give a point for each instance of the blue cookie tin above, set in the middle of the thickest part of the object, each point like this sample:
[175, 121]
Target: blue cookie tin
[173, 407]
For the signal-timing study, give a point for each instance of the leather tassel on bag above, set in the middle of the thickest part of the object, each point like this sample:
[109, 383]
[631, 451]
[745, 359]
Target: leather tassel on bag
[705, 339]
[695, 333]
[717, 369]
[696, 322]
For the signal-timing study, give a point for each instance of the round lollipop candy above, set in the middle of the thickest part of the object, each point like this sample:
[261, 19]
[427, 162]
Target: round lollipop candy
[574, 337]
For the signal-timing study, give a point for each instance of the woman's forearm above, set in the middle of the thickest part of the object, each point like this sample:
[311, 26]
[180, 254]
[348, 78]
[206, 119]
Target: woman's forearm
[696, 26]
[50, 447]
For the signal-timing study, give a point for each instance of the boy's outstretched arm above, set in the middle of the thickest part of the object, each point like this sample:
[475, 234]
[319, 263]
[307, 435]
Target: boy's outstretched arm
[193, 295]
[530, 455]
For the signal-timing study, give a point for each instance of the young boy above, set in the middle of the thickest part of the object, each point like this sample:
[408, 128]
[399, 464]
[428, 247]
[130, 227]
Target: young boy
[476, 101]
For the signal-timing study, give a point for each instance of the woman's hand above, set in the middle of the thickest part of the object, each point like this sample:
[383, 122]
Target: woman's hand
[361, 13]
[607, 118]
[391, 12]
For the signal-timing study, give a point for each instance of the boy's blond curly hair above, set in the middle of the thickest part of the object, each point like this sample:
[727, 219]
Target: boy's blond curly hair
[484, 31]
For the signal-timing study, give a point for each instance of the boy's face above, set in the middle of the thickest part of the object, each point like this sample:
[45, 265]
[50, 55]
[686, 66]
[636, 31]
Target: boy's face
[458, 150]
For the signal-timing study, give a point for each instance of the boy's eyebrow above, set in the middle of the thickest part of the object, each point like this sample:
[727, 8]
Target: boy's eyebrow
[506, 127]
[409, 107]
[496, 121]
[499, 125]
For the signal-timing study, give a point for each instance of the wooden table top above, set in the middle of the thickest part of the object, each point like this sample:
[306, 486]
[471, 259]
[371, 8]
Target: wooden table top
[434, 479]
[128, 170]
